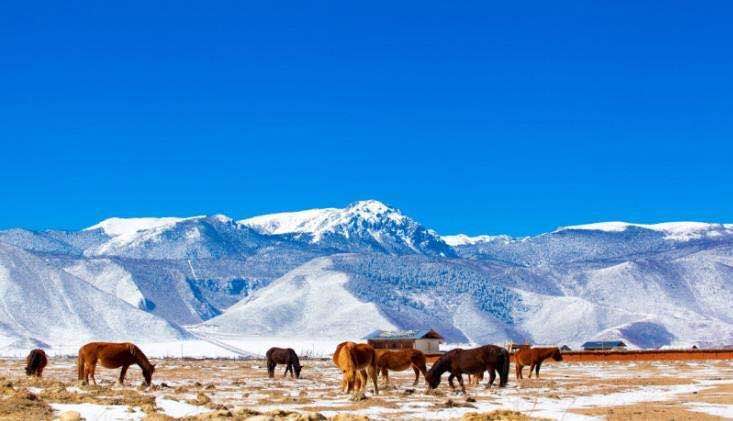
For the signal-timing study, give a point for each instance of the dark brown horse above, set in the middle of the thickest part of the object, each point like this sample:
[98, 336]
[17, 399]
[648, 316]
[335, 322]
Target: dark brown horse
[35, 362]
[533, 357]
[357, 362]
[399, 361]
[471, 361]
[285, 356]
[112, 355]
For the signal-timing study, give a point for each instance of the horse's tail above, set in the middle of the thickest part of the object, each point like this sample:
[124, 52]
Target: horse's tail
[33, 362]
[504, 367]
[80, 366]
[348, 365]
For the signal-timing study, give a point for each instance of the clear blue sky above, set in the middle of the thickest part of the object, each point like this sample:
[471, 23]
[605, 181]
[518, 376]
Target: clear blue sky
[478, 117]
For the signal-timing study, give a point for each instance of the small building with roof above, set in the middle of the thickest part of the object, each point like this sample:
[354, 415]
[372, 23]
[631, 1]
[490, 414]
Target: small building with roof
[428, 341]
[604, 346]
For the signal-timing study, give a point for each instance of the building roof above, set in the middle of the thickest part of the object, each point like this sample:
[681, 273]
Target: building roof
[396, 335]
[603, 344]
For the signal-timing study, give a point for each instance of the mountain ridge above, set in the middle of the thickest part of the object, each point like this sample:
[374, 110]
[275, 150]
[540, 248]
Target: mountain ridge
[587, 281]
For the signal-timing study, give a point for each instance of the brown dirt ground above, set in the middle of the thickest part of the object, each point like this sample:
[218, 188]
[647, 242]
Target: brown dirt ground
[234, 390]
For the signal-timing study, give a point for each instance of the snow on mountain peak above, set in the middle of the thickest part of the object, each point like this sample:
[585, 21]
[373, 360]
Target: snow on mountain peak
[318, 222]
[115, 227]
[675, 231]
[465, 240]
[365, 224]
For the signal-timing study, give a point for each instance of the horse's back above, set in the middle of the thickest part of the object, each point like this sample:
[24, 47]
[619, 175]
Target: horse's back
[110, 354]
[363, 355]
[525, 356]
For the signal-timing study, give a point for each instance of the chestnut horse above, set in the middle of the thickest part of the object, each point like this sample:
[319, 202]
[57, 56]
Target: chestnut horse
[35, 362]
[471, 361]
[112, 355]
[286, 356]
[533, 357]
[355, 360]
[399, 361]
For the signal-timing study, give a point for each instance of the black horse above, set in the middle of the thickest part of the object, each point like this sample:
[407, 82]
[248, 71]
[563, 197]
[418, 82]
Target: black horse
[471, 361]
[287, 356]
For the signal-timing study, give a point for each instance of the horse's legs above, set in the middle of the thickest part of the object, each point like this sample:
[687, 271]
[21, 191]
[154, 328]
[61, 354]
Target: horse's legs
[537, 369]
[122, 374]
[271, 369]
[289, 368]
[518, 370]
[531, 369]
[492, 377]
[424, 371]
[460, 381]
[450, 382]
[373, 374]
[385, 375]
[91, 373]
[417, 374]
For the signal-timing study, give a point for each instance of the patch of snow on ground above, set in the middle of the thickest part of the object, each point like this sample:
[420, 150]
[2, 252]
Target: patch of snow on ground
[94, 412]
[717, 410]
[179, 409]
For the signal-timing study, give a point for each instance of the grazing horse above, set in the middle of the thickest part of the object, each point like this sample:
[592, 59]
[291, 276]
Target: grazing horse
[112, 355]
[533, 357]
[286, 356]
[401, 360]
[35, 362]
[471, 361]
[355, 360]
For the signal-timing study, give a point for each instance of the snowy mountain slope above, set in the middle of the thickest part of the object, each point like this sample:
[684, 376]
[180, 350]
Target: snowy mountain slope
[176, 238]
[675, 231]
[364, 226]
[183, 291]
[109, 277]
[40, 304]
[653, 285]
[352, 295]
[465, 240]
[595, 242]
[40, 242]
[310, 300]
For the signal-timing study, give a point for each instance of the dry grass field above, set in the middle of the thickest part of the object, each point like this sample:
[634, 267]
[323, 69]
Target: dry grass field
[226, 389]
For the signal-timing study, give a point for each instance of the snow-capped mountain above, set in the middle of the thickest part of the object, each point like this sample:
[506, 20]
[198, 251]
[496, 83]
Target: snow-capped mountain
[467, 303]
[44, 306]
[602, 241]
[360, 227]
[175, 238]
[345, 272]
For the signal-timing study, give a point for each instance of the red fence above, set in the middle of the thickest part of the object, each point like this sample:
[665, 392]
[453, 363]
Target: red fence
[649, 355]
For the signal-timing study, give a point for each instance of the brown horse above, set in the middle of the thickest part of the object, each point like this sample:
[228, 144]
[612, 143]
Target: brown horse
[471, 361]
[533, 357]
[401, 360]
[286, 356]
[355, 360]
[35, 362]
[112, 355]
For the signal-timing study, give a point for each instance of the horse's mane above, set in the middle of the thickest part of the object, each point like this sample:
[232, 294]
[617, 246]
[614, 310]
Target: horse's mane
[547, 352]
[443, 363]
[295, 355]
[139, 357]
[33, 361]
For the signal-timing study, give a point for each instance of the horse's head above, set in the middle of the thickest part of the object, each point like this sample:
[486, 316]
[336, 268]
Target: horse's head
[432, 378]
[556, 355]
[148, 374]
[297, 367]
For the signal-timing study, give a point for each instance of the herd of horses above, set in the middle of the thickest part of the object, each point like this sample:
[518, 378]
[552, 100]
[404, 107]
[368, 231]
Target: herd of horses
[358, 363]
